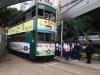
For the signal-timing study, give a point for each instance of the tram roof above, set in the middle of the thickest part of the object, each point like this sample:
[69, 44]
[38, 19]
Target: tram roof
[47, 7]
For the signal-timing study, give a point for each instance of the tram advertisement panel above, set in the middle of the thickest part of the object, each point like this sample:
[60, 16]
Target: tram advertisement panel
[22, 47]
[45, 25]
[45, 49]
[24, 27]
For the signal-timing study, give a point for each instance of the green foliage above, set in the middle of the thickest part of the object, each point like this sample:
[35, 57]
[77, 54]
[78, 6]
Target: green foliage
[95, 56]
[84, 25]
[74, 27]
[8, 13]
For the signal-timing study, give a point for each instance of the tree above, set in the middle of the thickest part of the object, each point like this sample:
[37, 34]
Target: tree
[84, 25]
[7, 14]
[74, 27]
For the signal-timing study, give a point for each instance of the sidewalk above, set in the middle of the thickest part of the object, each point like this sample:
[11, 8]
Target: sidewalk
[94, 65]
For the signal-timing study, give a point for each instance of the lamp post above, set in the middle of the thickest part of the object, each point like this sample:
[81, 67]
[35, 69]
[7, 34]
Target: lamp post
[61, 23]
[61, 38]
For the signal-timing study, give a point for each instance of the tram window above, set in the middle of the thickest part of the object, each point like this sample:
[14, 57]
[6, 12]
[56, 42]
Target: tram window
[45, 37]
[11, 23]
[17, 21]
[52, 17]
[14, 22]
[30, 14]
[47, 16]
[33, 13]
[23, 18]
[49, 37]
[26, 16]
[53, 37]
[40, 13]
[17, 37]
[40, 37]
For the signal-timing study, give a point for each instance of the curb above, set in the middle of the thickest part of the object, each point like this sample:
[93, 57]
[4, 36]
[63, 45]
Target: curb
[78, 64]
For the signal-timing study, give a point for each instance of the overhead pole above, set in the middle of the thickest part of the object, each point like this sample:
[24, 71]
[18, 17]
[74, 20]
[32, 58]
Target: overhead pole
[61, 38]
[60, 24]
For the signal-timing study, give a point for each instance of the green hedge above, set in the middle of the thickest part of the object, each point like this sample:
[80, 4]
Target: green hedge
[95, 56]
[97, 48]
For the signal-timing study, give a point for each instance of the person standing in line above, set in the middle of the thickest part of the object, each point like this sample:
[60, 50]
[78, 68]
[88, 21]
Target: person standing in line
[64, 53]
[75, 51]
[67, 50]
[57, 50]
[71, 50]
[89, 51]
[79, 47]
[60, 48]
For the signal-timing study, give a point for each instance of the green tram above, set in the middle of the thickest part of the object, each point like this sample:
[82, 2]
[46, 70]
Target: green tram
[33, 32]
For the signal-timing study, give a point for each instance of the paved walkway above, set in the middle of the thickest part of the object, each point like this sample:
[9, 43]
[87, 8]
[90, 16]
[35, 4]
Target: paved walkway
[95, 64]
[14, 65]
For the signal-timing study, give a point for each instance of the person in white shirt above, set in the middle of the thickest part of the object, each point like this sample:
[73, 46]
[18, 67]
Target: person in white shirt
[67, 50]
[57, 49]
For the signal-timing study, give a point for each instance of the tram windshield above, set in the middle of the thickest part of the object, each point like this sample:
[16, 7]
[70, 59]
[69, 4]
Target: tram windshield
[45, 37]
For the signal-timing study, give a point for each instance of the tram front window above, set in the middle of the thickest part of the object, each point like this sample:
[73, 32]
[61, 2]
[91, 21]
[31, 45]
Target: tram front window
[45, 37]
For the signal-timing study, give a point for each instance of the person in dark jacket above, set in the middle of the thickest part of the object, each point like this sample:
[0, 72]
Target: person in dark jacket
[79, 48]
[89, 51]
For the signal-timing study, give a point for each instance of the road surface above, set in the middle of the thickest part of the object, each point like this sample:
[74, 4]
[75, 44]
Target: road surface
[14, 65]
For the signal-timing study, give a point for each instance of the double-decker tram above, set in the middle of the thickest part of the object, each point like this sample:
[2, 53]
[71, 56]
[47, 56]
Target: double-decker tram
[33, 32]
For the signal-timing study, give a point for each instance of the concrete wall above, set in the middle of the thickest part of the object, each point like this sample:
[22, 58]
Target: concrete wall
[3, 49]
[81, 8]
[95, 38]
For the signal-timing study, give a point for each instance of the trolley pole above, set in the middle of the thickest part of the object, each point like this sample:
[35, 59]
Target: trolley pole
[61, 38]
[36, 18]
[36, 9]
